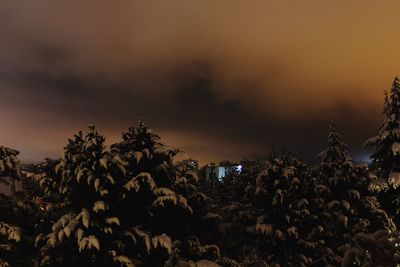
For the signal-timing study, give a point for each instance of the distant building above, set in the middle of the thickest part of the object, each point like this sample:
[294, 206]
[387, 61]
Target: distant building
[224, 168]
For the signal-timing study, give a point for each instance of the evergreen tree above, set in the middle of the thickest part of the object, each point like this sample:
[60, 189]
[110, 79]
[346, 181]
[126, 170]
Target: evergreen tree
[283, 212]
[336, 151]
[289, 226]
[273, 223]
[234, 202]
[336, 163]
[386, 155]
[164, 204]
[349, 205]
[131, 206]
[83, 232]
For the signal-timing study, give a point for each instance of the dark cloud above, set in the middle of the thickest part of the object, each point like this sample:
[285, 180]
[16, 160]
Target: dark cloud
[50, 54]
[222, 80]
[194, 106]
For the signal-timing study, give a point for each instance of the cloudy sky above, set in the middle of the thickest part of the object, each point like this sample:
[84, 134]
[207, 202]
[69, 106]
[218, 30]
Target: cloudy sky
[220, 79]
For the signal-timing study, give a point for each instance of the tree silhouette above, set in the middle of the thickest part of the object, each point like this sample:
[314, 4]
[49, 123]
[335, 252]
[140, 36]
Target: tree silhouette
[386, 155]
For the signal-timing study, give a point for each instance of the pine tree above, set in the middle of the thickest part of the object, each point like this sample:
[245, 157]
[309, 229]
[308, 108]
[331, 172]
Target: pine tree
[336, 151]
[165, 209]
[291, 214]
[83, 232]
[273, 223]
[234, 198]
[386, 155]
[336, 164]
[288, 228]
[130, 206]
[348, 203]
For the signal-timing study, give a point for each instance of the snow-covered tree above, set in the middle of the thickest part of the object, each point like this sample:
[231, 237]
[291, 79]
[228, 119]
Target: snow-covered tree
[349, 206]
[273, 221]
[289, 225]
[285, 212]
[83, 231]
[164, 204]
[336, 150]
[386, 155]
[336, 163]
[131, 206]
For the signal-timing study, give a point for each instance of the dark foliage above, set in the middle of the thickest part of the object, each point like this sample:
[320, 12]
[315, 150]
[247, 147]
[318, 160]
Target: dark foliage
[386, 156]
[128, 206]
[133, 205]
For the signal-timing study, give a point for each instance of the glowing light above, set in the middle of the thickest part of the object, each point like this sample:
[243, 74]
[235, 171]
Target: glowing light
[239, 168]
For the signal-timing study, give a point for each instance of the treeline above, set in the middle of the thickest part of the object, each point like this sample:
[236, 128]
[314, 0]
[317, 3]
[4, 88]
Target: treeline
[132, 205]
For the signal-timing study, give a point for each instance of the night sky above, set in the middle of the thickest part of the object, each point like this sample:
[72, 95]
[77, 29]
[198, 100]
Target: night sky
[220, 79]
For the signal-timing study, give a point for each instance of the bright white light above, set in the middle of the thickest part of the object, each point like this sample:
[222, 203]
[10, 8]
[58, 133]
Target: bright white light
[239, 168]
